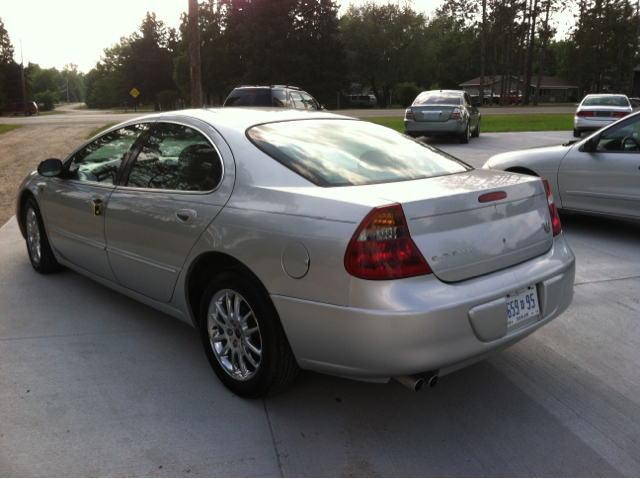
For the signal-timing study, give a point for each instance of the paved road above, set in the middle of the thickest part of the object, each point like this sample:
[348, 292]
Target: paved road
[95, 384]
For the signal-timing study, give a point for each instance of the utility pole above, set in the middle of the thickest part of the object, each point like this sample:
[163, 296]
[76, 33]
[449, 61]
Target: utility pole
[194, 55]
[24, 87]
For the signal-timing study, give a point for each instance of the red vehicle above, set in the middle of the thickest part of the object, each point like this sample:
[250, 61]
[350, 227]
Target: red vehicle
[18, 108]
[515, 97]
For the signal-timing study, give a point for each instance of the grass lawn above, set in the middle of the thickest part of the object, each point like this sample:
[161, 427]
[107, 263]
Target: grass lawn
[7, 128]
[98, 130]
[501, 123]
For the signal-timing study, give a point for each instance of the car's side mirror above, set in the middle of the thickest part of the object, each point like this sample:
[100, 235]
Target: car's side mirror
[50, 168]
[590, 145]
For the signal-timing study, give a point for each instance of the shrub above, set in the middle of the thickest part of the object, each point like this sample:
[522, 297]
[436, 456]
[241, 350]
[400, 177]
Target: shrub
[47, 98]
[406, 93]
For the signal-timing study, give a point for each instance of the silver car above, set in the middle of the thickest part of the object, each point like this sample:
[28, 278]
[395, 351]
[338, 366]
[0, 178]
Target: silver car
[598, 175]
[597, 111]
[443, 113]
[304, 240]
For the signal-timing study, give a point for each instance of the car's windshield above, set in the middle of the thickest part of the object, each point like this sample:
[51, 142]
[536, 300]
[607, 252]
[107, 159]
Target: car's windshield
[618, 100]
[351, 152]
[249, 97]
[437, 98]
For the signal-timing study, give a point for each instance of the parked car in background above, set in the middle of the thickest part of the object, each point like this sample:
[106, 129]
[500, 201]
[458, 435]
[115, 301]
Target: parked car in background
[442, 113]
[281, 96]
[598, 175]
[18, 109]
[596, 111]
[362, 100]
[299, 239]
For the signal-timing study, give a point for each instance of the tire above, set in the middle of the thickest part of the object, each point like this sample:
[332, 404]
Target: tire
[476, 132]
[252, 356]
[38, 246]
[577, 133]
[464, 137]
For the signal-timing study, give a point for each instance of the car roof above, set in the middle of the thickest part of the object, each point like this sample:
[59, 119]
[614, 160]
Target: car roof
[245, 116]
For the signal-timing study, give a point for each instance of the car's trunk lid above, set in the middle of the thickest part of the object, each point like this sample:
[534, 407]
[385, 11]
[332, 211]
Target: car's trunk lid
[461, 237]
[433, 112]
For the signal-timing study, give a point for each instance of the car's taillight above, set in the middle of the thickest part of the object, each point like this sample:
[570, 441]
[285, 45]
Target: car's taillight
[455, 114]
[553, 211]
[382, 248]
[408, 115]
[620, 114]
[584, 113]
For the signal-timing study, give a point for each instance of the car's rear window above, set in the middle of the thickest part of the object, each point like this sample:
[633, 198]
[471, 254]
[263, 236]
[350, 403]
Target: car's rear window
[437, 98]
[606, 101]
[249, 97]
[350, 152]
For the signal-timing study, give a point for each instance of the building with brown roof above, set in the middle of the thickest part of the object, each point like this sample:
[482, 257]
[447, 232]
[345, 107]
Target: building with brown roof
[552, 89]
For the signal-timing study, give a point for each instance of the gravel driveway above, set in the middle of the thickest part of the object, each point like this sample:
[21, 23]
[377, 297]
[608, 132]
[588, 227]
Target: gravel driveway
[22, 150]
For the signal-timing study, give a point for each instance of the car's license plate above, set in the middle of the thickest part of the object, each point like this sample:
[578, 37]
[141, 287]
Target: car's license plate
[604, 113]
[522, 305]
[431, 115]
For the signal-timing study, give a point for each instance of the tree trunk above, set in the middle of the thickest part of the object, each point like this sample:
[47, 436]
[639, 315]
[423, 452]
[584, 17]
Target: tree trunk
[529, 66]
[543, 53]
[482, 52]
[194, 55]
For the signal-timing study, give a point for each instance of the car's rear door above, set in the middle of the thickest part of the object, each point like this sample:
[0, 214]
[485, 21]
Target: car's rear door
[171, 191]
[75, 205]
[606, 180]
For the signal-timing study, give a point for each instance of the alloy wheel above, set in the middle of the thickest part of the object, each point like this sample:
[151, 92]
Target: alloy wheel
[33, 236]
[234, 334]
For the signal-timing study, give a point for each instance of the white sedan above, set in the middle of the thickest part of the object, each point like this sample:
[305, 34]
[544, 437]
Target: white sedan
[597, 111]
[598, 175]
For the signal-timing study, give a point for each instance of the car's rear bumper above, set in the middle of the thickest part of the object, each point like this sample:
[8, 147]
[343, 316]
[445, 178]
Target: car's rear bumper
[587, 124]
[422, 128]
[421, 324]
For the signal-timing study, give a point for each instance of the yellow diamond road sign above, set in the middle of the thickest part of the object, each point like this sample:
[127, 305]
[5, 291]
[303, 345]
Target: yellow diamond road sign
[134, 93]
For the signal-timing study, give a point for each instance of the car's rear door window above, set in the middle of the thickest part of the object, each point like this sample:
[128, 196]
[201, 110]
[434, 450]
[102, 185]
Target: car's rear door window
[350, 152]
[176, 157]
[100, 160]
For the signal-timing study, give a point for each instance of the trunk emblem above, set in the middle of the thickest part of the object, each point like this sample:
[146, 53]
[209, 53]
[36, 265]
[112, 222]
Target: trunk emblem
[546, 226]
[453, 253]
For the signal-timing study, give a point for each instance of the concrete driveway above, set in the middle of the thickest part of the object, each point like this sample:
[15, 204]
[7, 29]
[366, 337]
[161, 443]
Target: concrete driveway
[95, 384]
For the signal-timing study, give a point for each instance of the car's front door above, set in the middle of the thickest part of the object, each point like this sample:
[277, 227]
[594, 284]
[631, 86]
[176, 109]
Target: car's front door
[170, 193]
[75, 205]
[606, 180]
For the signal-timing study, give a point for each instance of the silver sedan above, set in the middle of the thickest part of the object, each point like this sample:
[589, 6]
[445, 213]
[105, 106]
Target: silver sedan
[443, 113]
[598, 175]
[304, 240]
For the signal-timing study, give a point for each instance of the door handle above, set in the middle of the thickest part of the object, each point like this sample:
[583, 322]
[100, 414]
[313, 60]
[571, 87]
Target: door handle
[186, 216]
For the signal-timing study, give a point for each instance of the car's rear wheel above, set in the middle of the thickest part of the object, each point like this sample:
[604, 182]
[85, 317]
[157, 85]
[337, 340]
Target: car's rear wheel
[40, 253]
[577, 133]
[476, 132]
[464, 137]
[243, 338]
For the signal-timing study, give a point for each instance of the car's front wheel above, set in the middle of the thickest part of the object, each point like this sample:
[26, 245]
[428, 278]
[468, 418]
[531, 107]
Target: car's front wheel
[40, 253]
[243, 338]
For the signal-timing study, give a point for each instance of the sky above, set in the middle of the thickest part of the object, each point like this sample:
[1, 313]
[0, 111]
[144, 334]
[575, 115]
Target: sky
[54, 33]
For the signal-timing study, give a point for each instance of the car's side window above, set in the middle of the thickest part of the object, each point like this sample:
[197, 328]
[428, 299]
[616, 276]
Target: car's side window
[99, 161]
[296, 98]
[309, 102]
[623, 137]
[176, 157]
[280, 98]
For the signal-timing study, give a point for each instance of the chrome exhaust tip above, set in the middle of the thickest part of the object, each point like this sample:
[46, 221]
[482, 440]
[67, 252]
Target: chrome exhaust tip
[413, 381]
